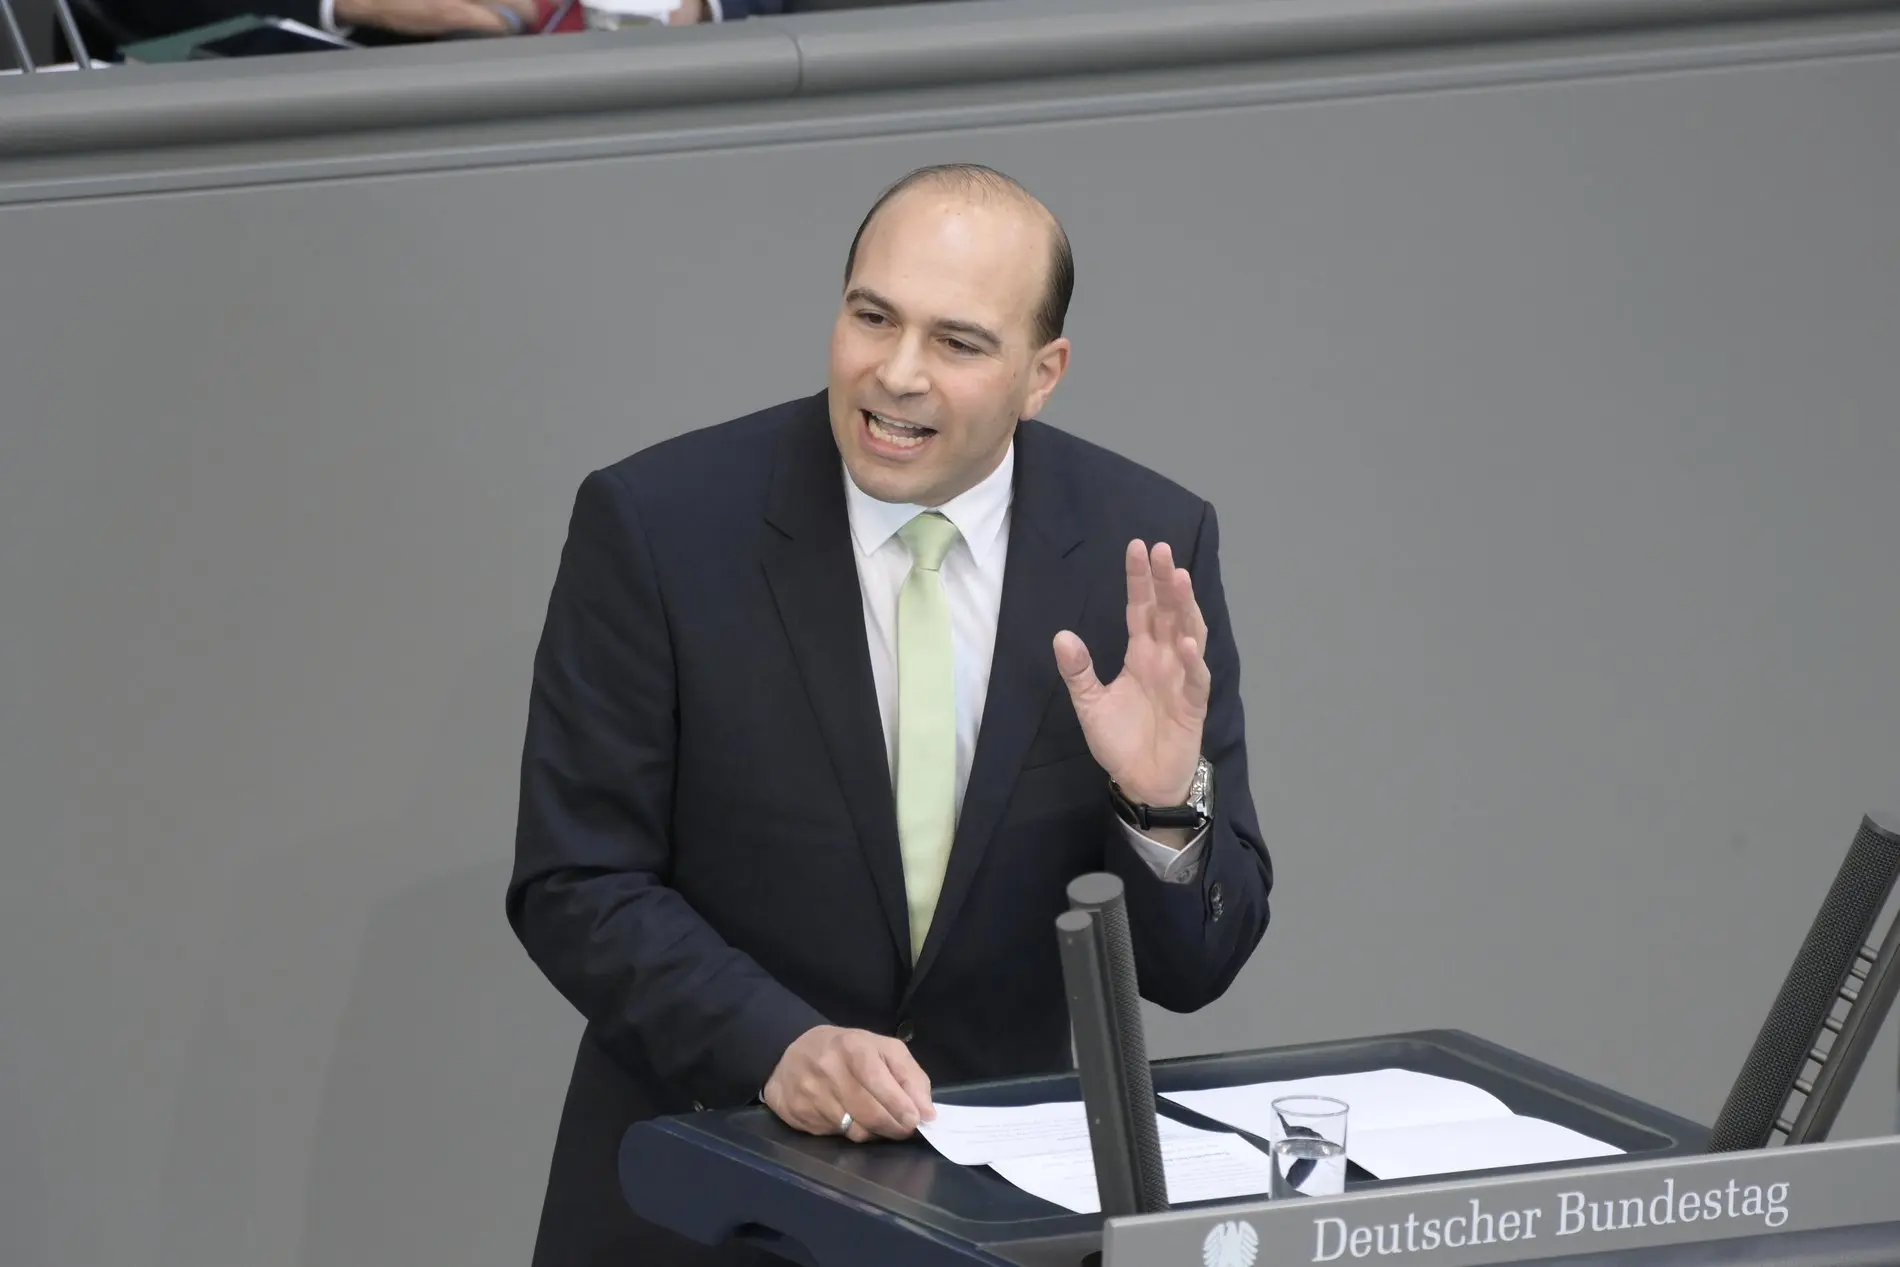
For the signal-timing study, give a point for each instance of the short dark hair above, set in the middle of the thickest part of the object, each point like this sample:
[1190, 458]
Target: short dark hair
[978, 179]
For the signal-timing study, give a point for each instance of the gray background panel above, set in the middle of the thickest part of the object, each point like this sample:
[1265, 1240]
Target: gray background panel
[1552, 431]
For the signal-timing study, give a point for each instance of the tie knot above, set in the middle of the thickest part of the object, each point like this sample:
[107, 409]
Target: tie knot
[929, 538]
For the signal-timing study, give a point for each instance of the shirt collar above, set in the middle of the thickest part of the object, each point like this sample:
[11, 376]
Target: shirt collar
[978, 513]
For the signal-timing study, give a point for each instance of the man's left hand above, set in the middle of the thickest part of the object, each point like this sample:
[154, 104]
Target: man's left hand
[1144, 728]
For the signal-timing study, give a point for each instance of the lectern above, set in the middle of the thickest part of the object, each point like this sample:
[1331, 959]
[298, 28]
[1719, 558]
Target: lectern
[1678, 1196]
[825, 1202]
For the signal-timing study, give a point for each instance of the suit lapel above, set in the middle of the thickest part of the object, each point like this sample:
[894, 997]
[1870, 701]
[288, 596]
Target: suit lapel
[1044, 590]
[814, 578]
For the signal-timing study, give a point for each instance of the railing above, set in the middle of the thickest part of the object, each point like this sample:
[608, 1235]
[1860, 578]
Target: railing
[997, 41]
[23, 61]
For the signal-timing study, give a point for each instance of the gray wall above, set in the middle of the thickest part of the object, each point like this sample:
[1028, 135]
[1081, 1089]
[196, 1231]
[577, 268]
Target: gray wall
[1550, 416]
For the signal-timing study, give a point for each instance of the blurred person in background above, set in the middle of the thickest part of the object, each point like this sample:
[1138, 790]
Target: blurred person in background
[108, 25]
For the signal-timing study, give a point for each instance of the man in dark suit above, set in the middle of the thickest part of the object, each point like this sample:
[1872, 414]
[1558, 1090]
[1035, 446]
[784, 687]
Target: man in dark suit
[819, 731]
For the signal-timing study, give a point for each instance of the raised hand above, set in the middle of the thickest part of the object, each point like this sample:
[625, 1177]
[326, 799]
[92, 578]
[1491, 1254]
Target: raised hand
[828, 1072]
[1144, 728]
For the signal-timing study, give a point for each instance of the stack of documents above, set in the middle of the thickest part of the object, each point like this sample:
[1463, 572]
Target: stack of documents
[1044, 1150]
[1404, 1125]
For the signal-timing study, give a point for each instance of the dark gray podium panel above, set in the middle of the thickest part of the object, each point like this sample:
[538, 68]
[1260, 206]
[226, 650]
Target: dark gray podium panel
[1774, 1205]
[1544, 384]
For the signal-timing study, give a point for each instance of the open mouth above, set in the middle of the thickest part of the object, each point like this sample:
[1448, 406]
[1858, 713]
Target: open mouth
[894, 433]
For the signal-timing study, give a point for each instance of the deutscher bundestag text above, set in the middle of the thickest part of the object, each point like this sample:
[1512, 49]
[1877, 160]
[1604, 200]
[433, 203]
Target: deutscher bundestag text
[1576, 1213]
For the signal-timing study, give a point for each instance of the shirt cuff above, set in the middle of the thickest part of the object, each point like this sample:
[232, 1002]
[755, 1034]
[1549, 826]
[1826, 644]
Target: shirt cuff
[1171, 866]
[326, 18]
[714, 11]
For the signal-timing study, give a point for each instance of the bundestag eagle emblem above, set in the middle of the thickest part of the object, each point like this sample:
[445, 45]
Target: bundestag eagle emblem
[1230, 1244]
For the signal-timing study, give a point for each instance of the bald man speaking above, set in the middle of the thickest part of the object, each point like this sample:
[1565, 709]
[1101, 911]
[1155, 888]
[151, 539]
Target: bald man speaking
[833, 701]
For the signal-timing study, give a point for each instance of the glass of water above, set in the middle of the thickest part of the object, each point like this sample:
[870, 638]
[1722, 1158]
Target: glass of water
[1309, 1146]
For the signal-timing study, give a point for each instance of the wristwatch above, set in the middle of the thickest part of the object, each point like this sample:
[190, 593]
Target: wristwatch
[1194, 813]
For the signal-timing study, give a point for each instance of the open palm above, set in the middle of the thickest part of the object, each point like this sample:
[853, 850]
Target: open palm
[1144, 728]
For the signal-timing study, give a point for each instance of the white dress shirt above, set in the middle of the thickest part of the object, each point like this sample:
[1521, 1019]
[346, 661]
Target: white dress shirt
[973, 581]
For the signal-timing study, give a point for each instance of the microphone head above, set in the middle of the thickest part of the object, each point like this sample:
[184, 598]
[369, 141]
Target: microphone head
[1095, 891]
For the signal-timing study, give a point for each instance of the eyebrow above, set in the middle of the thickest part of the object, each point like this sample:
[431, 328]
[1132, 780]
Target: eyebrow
[865, 294]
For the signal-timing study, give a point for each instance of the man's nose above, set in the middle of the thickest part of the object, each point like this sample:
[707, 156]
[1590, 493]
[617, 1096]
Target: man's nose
[902, 372]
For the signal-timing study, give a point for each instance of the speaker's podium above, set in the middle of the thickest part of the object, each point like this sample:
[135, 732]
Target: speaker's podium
[1676, 1196]
[830, 1203]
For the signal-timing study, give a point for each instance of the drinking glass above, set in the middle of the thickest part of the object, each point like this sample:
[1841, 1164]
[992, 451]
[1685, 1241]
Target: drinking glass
[1309, 1146]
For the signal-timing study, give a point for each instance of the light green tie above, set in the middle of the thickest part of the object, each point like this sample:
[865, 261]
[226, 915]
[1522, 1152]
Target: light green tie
[926, 721]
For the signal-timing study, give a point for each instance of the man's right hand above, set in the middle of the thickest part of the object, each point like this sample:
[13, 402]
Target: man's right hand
[829, 1072]
[432, 17]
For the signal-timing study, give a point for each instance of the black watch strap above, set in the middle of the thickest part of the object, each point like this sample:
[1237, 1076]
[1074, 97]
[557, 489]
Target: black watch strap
[1143, 817]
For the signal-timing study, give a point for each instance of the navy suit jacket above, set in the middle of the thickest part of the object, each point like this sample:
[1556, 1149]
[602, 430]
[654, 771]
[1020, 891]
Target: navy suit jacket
[707, 859]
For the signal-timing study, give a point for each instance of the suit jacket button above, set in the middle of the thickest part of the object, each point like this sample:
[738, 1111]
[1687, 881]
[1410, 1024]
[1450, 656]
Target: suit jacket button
[905, 1031]
[1213, 897]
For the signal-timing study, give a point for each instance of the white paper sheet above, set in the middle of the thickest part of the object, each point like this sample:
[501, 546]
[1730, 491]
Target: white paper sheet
[1482, 1144]
[1199, 1165]
[1401, 1125]
[977, 1135]
[1379, 1100]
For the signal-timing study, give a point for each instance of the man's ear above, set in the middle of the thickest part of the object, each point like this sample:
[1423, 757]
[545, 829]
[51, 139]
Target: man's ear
[1045, 372]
